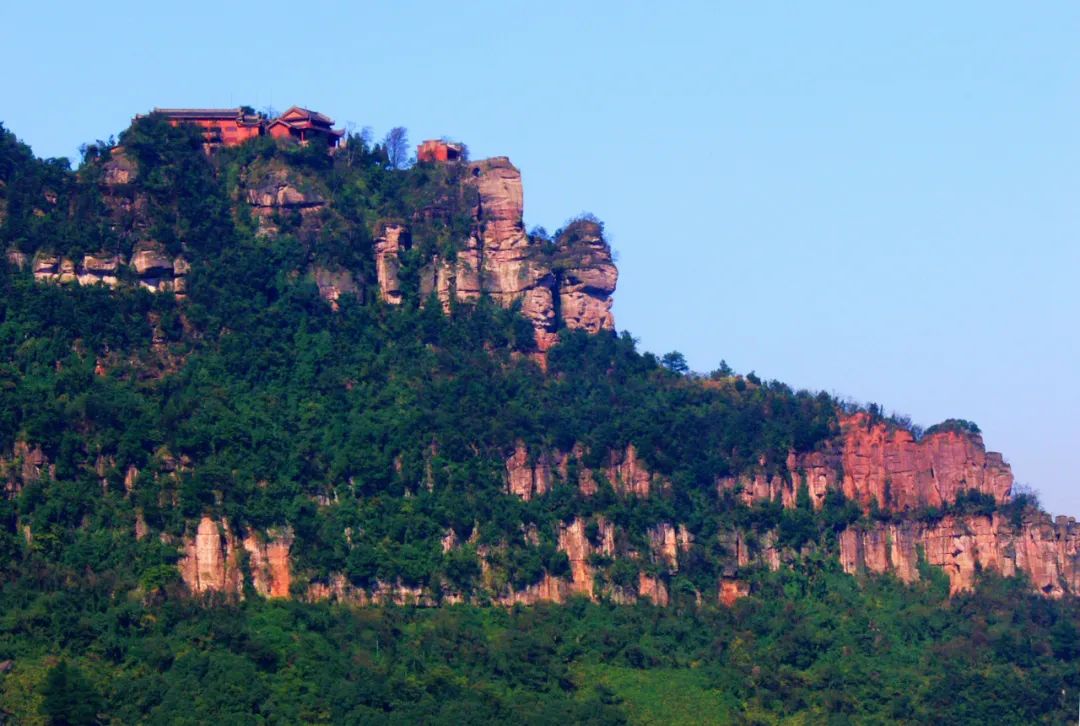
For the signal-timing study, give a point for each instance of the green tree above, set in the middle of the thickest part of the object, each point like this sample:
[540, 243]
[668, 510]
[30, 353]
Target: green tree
[68, 698]
[675, 362]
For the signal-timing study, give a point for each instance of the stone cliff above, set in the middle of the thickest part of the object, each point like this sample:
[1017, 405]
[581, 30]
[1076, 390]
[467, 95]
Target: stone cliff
[1046, 550]
[566, 282]
[213, 560]
[218, 558]
[879, 465]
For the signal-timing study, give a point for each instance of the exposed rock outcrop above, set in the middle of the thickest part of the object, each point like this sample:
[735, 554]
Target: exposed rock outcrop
[1046, 550]
[586, 278]
[100, 269]
[208, 564]
[278, 194]
[574, 274]
[333, 283]
[338, 589]
[17, 258]
[388, 247]
[667, 541]
[877, 464]
[528, 477]
[26, 465]
[119, 169]
[574, 541]
[211, 561]
[732, 590]
[628, 475]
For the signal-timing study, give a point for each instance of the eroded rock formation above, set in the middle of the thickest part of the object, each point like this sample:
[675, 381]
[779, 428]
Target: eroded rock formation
[876, 464]
[566, 282]
[586, 277]
[528, 476]
[1046, 550]
[388, 247]
[274, 190]
[211, 560]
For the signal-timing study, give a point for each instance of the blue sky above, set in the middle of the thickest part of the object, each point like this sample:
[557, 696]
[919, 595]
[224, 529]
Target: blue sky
[878, 200]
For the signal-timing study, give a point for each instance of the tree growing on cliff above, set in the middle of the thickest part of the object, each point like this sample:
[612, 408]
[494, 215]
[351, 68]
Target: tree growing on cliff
[396, 144]
[675, 362]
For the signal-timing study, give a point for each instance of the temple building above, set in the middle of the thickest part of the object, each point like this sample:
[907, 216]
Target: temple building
[305, 125]
[234, 126]
[221, 126]
[437, 150]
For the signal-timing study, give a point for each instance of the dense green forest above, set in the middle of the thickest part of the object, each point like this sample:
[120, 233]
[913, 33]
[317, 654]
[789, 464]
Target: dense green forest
[370, 432]
[811, 646]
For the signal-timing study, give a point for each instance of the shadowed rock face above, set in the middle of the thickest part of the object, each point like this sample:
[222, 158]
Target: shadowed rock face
[388, 247]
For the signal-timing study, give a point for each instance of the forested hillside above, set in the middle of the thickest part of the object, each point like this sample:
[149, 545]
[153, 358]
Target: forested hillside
[294, 436]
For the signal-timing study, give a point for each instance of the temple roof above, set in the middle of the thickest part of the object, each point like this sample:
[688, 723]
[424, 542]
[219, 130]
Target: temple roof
[299, 113]
[197, 113]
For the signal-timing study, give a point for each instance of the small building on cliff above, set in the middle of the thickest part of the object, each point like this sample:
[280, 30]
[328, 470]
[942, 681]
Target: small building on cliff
[220, 126]
[437, 150]
[304, 126]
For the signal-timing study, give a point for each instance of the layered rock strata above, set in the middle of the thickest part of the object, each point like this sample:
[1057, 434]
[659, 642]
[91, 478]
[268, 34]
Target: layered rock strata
[151, 268]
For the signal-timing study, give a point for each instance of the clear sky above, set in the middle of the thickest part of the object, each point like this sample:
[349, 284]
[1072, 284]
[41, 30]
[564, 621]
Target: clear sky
[881, 200]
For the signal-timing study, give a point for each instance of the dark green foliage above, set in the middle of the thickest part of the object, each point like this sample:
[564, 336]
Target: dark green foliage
[68, 698]
[958, 425]
[809, 643]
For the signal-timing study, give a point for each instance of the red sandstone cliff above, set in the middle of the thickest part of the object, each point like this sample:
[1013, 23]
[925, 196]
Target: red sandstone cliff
[211, 560]
[873, 462]
[1046, 550]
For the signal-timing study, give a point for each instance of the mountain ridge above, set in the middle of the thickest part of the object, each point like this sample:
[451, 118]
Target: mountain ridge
[448, 234]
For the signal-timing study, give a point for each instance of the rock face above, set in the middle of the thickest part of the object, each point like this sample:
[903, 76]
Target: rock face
[211, 561]
[528, 480]
[158, 271]
[534, 476]
[574, 541]
[1047, 551]
[388, 247]
[890, 467]
[875, 464]
[100, 269]
[153, 268]
[333, 283]
[120, 169]
[274, 189]
[26, 465]
[587, 278]
[574, 274]
[567, 282]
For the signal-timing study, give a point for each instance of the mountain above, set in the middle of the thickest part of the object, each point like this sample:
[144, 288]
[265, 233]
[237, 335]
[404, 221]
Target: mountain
[252, 379]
